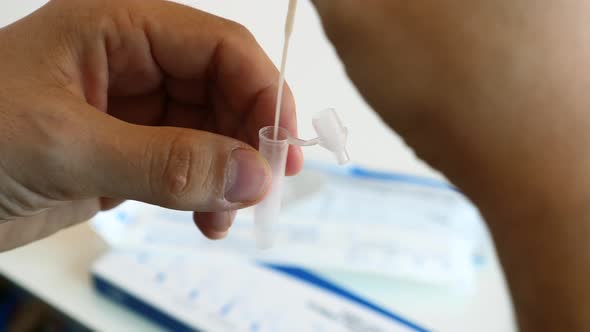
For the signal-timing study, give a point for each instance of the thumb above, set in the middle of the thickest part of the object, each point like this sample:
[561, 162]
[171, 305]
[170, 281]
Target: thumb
[176, 168]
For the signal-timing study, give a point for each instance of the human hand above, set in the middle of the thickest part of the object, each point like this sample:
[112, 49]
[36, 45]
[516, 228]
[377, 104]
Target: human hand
[102, 101]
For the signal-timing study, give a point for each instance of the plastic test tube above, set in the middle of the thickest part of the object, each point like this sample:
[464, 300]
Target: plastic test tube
[266, 213]
[332, 136]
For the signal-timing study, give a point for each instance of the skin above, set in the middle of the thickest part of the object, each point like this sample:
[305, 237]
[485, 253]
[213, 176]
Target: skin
[147, 100]
[102, 101]
[495, 95]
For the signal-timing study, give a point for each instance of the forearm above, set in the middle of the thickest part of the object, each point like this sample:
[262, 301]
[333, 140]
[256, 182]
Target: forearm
[528, 176]
[494, 94]
[544, 253]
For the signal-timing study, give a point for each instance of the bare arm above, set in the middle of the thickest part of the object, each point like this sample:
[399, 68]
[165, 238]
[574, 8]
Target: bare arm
[495, 94]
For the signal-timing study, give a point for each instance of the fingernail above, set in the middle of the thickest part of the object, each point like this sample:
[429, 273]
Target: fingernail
[248, 177]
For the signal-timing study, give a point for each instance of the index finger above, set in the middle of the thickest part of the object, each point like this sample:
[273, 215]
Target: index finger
[188, 43]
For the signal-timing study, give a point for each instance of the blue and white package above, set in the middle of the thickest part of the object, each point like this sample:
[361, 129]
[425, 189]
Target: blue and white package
[348, 219]
[203, 292]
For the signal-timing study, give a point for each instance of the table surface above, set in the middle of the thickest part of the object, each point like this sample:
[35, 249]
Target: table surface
[57, 269]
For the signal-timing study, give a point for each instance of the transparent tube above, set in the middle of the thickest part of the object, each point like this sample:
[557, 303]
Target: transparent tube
[266, 213]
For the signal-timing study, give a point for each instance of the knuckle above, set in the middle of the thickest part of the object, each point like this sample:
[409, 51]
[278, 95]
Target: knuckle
[177, 166]
[181, 172]
[240, 31]
[188, 172]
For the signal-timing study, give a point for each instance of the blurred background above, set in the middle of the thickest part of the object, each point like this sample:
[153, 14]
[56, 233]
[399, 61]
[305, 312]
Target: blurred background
[383, 244]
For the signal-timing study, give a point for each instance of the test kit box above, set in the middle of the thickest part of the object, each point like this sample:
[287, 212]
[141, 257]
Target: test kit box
[217, 293]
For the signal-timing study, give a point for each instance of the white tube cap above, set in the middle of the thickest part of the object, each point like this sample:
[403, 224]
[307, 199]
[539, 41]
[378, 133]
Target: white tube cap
[332, 134]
